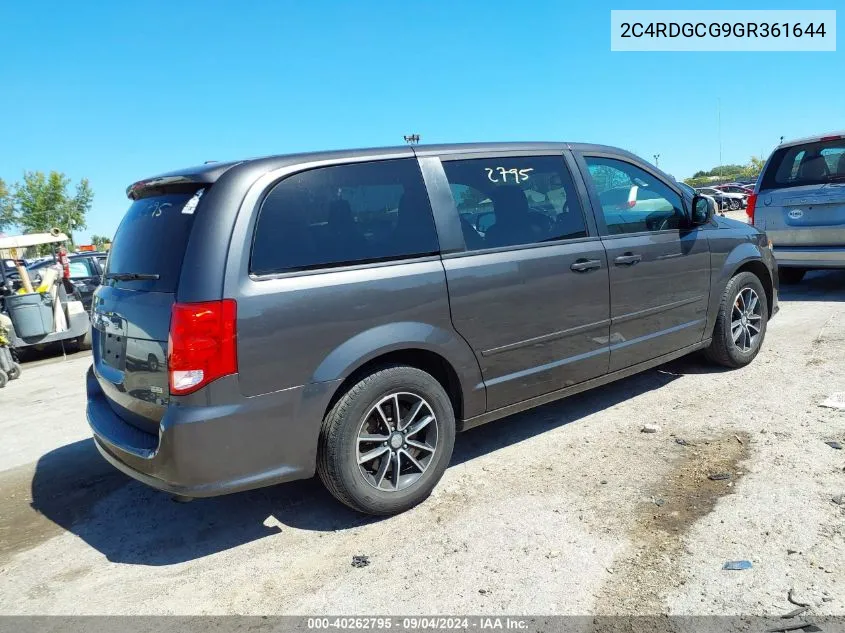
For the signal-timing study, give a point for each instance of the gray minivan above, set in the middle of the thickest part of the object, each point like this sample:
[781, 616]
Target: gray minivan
[348, 312]
[799, 201]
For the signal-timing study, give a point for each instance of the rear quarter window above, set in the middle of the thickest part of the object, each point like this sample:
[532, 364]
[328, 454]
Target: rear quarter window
[344, 214]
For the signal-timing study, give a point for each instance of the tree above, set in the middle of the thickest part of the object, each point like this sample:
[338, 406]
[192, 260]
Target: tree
[42, 202]
[7, 210]
[727, 173]
[753, 168]
[100, 241]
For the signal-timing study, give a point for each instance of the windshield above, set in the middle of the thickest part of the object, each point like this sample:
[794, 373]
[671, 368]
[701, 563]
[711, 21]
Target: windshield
[151, 240]
[815, 163]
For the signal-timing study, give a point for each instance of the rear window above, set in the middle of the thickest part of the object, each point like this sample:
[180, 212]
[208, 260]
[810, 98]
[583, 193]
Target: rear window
[808, 164]
[152, 239]
[344, 214]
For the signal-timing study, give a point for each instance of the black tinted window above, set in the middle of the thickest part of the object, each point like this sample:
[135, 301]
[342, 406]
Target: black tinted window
[809, 164]
[343, 215]
[515, 200]
[632, 200]
[152, 238]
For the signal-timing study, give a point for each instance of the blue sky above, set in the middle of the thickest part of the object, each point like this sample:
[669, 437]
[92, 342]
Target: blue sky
[119, 91]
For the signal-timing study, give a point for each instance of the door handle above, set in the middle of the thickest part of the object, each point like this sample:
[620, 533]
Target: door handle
[628, 259]
[584, 265]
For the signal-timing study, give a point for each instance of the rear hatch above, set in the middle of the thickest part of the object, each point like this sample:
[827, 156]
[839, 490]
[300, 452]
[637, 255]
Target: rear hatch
[801, 200]
[132, 308]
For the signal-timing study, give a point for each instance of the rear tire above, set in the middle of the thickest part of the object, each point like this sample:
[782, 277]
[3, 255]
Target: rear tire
[791, 275]
[367, 410]
[741, 322]
[734, 204]
[15, 371]
[83, 343]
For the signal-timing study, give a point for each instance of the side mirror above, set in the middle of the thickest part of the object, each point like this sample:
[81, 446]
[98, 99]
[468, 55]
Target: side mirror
[703, 209]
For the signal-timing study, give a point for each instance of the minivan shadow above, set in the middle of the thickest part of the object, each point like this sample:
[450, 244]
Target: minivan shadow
[817, 285]
[130, 523]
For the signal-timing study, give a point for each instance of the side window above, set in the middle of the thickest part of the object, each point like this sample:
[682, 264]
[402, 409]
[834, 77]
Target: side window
[632, 200]
[513, 200]
[345, 214]
[790, 165]
[80, 268]
[835, 159]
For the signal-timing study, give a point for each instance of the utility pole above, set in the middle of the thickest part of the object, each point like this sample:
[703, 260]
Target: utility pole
[719, 128]
[657, 160]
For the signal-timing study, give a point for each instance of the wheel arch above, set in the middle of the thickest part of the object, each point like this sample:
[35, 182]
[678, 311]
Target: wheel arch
[438, 352]
[745, 257]
[757, 268]
[425, 360]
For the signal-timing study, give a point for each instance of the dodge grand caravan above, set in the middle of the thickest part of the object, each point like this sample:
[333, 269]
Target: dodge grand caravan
[348, 312]
[799, 201]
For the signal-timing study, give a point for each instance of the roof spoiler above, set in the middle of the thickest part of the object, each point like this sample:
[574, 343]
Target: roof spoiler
[186, 180]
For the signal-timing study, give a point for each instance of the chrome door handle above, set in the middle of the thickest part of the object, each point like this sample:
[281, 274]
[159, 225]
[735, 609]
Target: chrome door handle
[584, 265]
[628, 259]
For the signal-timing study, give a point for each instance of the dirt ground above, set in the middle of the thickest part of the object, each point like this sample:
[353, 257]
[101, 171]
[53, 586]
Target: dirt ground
[567, 509]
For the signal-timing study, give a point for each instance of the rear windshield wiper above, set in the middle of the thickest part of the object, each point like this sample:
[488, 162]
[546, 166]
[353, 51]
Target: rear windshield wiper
[132, 276]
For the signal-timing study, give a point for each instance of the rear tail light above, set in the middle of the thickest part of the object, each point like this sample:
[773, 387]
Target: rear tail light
[202, 344]
[749, 209]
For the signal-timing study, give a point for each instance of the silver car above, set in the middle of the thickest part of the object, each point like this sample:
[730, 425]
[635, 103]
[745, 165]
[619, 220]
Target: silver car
[725, 199]
[799, 201]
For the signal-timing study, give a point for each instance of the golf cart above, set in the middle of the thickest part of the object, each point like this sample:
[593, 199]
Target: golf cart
[44, 307]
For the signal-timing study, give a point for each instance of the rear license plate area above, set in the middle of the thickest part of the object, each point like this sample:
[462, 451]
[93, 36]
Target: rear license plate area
[113, 351]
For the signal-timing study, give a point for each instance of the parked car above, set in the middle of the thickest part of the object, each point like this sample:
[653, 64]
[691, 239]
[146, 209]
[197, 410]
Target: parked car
[799, 201]
[86, 270]
[690, 191]
[335, 312]
[726, 200]
[735, 188]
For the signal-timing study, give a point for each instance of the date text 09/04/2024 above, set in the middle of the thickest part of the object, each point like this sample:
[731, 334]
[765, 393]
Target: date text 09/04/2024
[416, 623]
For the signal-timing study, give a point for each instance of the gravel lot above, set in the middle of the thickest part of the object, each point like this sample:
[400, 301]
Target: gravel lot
[569, 509]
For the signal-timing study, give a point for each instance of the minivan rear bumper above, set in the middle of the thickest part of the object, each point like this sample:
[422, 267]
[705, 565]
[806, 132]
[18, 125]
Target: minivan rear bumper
[810, 256]
[203, 450]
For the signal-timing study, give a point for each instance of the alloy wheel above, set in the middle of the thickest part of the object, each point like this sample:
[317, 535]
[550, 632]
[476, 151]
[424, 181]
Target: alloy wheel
[396, 441]
[746, 320]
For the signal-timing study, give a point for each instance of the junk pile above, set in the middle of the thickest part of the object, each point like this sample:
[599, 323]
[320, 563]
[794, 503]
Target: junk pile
[39, 311]
[37, 308]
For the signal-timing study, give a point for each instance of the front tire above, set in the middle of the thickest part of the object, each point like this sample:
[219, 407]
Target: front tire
[734, 204]
[791, 275]
[377, 462]
[741, 322]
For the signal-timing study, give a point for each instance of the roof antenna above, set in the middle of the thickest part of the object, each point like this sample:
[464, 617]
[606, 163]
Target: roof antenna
[412, 139]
